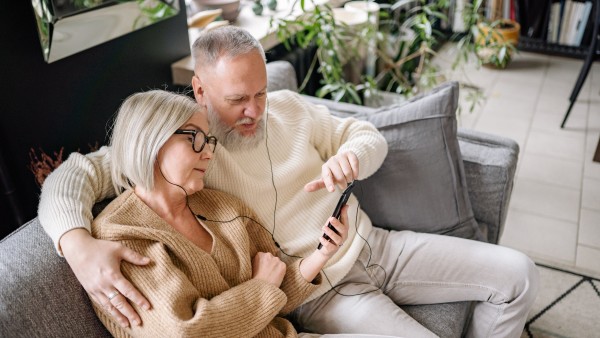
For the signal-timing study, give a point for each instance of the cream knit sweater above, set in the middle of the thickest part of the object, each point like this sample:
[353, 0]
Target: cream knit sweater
[195, 293]
[300, 138]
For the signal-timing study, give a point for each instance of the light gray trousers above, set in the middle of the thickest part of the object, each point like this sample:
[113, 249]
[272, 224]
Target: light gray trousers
[407, 268]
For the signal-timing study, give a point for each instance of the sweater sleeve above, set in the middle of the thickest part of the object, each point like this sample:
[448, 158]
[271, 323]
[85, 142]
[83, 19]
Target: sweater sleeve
[332, 135]
[296, 288]
[364, 140]
[71, 190]
[179, 310]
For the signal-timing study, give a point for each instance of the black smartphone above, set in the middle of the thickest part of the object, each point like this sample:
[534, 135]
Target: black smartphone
[338, 209]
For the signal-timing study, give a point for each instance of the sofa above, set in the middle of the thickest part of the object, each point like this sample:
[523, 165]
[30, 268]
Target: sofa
[436, 178]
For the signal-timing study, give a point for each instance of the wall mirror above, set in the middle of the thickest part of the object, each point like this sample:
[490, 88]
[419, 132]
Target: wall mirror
[66, 27]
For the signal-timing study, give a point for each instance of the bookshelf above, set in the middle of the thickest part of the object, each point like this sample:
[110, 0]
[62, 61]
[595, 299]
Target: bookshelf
[568, 28]
[564, 28]
[540, 46]
[539, 18]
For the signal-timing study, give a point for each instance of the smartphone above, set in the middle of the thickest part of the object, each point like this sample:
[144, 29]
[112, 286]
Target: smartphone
[338, 209]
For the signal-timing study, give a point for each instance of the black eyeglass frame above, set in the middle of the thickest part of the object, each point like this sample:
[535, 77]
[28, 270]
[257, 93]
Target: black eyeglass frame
[207, 139]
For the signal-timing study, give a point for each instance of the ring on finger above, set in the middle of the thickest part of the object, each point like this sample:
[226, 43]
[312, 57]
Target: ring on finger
[113, 295]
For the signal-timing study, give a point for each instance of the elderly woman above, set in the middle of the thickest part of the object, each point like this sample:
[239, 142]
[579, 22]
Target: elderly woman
[214, 270]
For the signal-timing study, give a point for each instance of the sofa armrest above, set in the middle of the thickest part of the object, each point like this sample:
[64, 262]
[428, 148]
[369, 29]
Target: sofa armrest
[490, 163]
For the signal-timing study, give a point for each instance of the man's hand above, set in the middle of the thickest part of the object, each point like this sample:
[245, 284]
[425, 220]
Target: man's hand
[339, 169]
[97, 266]
[268, 268]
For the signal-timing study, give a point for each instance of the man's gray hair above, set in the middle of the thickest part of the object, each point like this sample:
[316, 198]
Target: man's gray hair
[144, 122]
[226, 41]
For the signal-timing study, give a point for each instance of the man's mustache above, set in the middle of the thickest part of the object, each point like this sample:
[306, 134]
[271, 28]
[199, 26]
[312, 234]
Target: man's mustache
[245, 120]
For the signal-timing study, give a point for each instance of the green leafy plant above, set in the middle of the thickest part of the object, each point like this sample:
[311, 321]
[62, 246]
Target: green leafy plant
[404, 65]
[407, 37]
[337, 45]
[407, 68]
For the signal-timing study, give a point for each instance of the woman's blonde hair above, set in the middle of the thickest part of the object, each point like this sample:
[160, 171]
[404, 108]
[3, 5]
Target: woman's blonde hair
[144, 122]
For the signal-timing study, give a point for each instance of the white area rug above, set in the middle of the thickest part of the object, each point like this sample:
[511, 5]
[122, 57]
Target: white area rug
[568, 305]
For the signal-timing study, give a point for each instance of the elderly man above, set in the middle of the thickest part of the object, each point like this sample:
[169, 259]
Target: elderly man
[285, 157]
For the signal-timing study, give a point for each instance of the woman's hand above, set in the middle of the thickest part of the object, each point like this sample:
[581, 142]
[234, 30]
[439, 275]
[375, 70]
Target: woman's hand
[312, 265]
[97, 266]
[268, 268]
[340, 169]
[336, 240]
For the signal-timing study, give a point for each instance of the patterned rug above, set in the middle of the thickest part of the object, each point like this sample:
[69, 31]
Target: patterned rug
[568, 305]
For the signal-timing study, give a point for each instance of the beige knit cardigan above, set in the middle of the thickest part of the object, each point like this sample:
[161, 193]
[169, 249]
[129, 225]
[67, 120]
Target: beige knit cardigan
[194, 293]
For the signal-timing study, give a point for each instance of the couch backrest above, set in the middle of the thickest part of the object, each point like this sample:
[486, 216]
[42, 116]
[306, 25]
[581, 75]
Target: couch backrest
[39, 294]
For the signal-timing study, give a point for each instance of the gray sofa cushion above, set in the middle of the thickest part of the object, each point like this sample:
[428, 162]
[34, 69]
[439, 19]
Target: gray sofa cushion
[341, 109]
[421, 185]
[39, 295]
[281, 75]
[447, 320]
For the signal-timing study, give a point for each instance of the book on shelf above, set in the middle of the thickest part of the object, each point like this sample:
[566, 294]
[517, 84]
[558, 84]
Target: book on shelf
[513, 10]
[506, 9]
[582, 23]
[575, 14]
[572, 22]
[494, 9]
[554, 21]
[576, 20]
[565, 29]
[589, 28]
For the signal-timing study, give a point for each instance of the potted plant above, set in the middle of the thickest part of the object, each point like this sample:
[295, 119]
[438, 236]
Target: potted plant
[496, 41]
[492, 41]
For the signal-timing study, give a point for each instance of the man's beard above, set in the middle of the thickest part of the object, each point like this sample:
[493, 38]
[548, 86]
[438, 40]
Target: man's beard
[229, 137]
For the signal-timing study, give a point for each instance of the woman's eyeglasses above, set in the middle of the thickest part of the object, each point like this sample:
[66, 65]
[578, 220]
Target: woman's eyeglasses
[199, 142]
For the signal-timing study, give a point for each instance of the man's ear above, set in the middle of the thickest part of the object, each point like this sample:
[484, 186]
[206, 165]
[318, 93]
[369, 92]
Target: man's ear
[198, 90]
